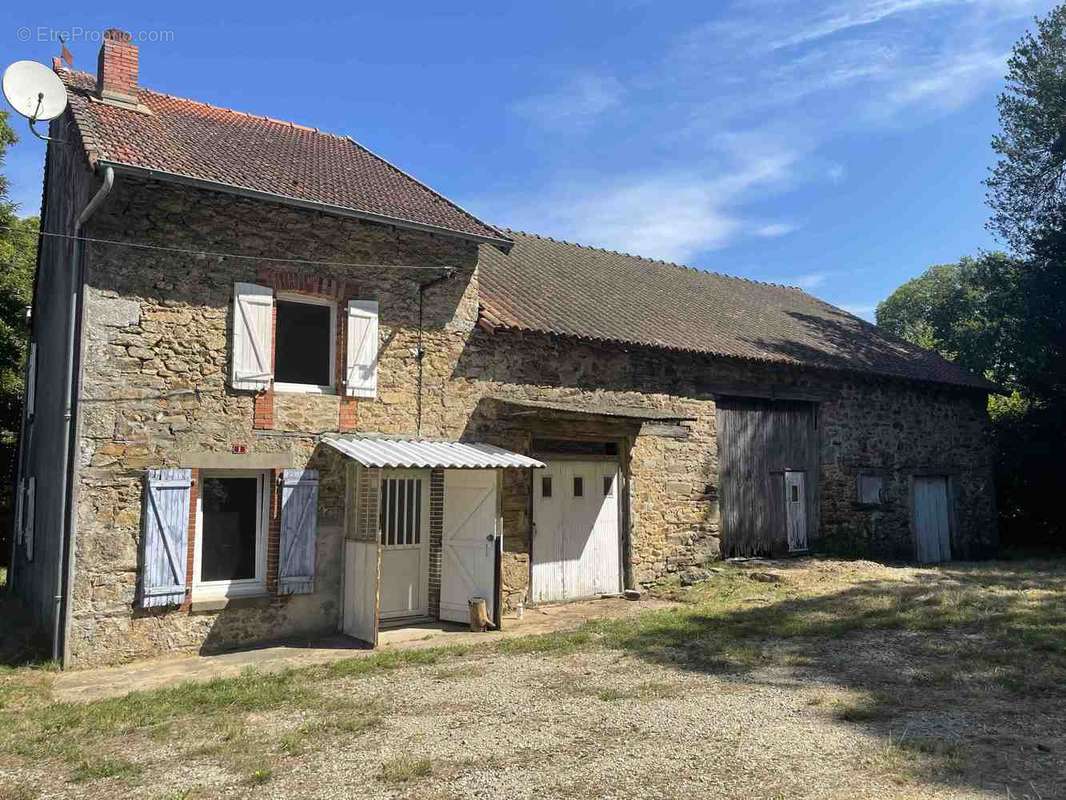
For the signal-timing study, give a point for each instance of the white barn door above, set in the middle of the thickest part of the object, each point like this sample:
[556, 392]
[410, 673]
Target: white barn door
[468, 542]
[576, 545]
[796, 510]
[932, 529]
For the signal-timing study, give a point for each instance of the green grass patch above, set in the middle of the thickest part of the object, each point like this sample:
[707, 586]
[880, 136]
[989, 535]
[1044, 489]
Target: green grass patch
[404, 769]
[98, 768]
[259, 777]
[385, 660]
[562, 642]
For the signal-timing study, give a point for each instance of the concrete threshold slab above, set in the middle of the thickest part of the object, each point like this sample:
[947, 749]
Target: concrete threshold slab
[96, 684]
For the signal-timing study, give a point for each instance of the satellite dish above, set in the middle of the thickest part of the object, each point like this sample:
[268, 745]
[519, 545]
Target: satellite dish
[35, 92]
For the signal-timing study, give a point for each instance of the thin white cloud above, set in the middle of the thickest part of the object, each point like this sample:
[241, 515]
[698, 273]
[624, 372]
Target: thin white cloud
[775, 229]
[948, 86]
[754, 102]
[864, 310]
[577, 104]
[809, 280]
[847, 16]
[673, 216]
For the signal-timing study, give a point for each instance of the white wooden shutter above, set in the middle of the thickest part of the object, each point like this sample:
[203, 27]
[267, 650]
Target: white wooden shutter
[253, 336]
[362, 358]
[30, 519]
[164, 537]
[20, 505]
[31, 381]
[299, 528]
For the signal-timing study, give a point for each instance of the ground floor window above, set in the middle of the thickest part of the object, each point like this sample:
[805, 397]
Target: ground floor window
[231, 518]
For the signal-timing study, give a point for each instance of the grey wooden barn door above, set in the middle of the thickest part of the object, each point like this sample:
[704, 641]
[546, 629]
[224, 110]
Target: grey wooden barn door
[762, 445]
[932, 519]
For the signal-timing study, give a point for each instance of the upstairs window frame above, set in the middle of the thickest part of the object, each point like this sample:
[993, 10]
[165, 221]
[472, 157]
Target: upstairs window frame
[308, 388]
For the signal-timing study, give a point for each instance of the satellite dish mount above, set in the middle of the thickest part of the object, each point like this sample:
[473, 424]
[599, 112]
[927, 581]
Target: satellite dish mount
[35, 92]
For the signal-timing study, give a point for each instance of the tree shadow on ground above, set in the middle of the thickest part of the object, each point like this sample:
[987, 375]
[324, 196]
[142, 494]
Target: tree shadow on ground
[964, 667]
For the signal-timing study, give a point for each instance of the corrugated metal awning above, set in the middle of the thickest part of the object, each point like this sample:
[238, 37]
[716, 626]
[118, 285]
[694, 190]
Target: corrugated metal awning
[427, 454]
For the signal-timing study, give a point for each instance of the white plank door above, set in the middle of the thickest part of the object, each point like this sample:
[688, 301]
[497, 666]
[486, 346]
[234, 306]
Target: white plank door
[468, 542]
[362, 574]
[576, 545]
[362, 554]
[932, 529]
[796, 510]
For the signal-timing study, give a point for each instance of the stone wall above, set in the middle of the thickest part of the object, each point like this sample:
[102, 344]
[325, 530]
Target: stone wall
[157, 328]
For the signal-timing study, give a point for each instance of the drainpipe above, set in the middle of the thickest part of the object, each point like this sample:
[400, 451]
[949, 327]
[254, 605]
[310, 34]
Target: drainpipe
[65, 553]
[420, 354]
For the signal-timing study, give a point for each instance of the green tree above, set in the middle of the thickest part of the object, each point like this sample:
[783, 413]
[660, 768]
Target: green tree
[1027, 186]
[972, 312]
[18, 255]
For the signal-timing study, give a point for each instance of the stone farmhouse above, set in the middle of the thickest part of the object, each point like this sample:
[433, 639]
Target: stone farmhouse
[278, 388]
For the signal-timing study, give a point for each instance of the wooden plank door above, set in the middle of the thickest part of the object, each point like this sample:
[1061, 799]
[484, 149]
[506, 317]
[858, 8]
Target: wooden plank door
[796, 510]
[549, 496]
[362, 555]
[932, 528]
[468, 542]
[576, 544]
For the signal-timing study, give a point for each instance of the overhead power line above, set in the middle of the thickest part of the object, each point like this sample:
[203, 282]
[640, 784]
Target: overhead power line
[220, 254]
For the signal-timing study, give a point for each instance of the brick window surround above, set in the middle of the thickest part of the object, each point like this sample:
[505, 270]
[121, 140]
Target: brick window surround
[337, 290]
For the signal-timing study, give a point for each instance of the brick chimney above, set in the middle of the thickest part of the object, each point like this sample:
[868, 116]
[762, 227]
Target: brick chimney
[116, 69]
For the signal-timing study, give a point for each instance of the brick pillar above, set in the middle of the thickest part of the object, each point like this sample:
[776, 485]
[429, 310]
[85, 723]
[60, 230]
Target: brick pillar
[263, 417]
[273, 532]
[190, 549]
[436, 531]
[348, 417]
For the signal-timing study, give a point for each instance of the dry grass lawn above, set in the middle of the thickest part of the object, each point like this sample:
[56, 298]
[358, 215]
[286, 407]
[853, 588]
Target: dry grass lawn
[800, 679]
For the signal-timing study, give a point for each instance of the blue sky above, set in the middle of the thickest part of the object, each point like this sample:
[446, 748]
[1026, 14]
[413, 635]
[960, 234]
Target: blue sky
[838, 146]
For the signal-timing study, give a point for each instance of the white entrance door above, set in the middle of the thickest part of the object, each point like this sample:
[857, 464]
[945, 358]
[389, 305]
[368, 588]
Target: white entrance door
[576, 546]
[468, 542]
[404, 543]
[931, 519]
[796, 510]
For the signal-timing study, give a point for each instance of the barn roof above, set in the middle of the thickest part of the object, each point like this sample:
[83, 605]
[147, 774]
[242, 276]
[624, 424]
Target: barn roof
[548, 286]
[172, 137]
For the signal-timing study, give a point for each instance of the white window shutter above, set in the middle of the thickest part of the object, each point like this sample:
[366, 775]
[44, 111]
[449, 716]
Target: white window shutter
[30, 512]
[361, 366]
[299, 529]
[165, 537]
[31, 381]
[20, 506]
[253, 336]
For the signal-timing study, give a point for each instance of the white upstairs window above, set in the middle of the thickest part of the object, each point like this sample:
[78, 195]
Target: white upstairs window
[305, 344]
[253, 329]
[361, 363]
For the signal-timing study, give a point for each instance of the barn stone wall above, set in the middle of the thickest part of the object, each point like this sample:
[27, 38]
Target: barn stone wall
[154, 394]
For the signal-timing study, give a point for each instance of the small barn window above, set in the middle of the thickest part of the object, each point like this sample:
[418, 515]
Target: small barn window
[579, 486]
[871, 489]
[608, 485]
[546, 486]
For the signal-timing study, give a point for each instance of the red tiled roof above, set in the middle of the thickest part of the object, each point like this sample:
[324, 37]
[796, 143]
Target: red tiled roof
[547, 286]
[206, 143]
